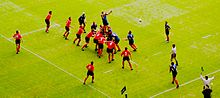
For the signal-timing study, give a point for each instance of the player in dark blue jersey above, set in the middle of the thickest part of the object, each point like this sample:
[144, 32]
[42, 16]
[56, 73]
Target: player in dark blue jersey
[130, 38]
[173, 69]
[93, 26]
[167, 31]
[116, 40]
[82, 21]
[105, 20]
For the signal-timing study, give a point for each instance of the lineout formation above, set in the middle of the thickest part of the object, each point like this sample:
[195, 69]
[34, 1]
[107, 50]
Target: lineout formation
[105, 35]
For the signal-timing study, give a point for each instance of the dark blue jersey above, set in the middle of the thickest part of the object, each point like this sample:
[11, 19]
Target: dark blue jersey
[115, 36]
[130, 37]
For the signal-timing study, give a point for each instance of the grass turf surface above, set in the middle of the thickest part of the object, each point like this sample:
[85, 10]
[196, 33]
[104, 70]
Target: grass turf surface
[194, 30]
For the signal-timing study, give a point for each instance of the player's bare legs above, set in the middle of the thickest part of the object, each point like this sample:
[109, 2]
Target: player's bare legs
[85, 79]
[123, 64]
[130, 65]
[93, 77]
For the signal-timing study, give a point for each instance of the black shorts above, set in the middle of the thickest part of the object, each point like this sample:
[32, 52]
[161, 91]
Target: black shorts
[117, 41]
[109, 50]
[90, 73]
[47, 22]
[101, 46]
[82, 22]
[95, 41]
[174, 75]
[87, 39]
[167, 32]
[173, 55]
[17, 41]
[126, 58]
[105, 22]
[78, 36]
[131, 42]
[67, 28]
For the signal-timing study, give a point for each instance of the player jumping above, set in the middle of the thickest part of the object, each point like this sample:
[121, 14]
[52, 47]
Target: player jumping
[167, 31]
[173, 69]
[78, 35]
[126, 55]
[104, 19]
[87, 38]
[90, 72]
[67, 27]
[130, 38]
[17, 36]
[47, 21]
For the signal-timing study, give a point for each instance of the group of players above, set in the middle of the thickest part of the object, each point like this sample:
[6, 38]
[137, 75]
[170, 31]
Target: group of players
[102, 36]
[105, 36]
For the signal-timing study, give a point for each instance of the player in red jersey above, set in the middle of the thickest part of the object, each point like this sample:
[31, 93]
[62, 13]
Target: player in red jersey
[126, 55]
[101, 42]
[17, 36]
[67, 27]
[90, 72]
[96, 38]
[110, 48]
[87, 38]
[47, 21]
[78, 35]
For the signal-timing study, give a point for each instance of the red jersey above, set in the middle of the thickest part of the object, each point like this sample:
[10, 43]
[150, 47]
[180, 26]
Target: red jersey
[17, 36]
[80, 31]
[90, 34]
[68, 22]
[101, 40]
[111, 45]
[48, 17]
[98, 35]
[90, 67]
[126, 53]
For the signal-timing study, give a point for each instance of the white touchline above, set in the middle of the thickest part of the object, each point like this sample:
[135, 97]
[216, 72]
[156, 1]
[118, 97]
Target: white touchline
[24, 34]
[49, 62]
[183, 84]
[134, 62]
[108, 71]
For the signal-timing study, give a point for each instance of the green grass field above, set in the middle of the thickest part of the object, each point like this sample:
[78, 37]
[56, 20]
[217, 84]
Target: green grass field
[49, 66]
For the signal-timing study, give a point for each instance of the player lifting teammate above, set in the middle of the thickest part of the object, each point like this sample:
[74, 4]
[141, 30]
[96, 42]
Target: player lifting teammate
[90, 72]
[126, 55]
[173, 69]
[167, 31]
[47, 21]
[116, 40]
[67, 27]
[17, 36]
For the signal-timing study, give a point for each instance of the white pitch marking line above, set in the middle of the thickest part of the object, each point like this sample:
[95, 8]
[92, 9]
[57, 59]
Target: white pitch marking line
[207, 36]
[55, 25]
[49, 62]
[183, 84]
[157, 53]
[134, 62]
[108, 71]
